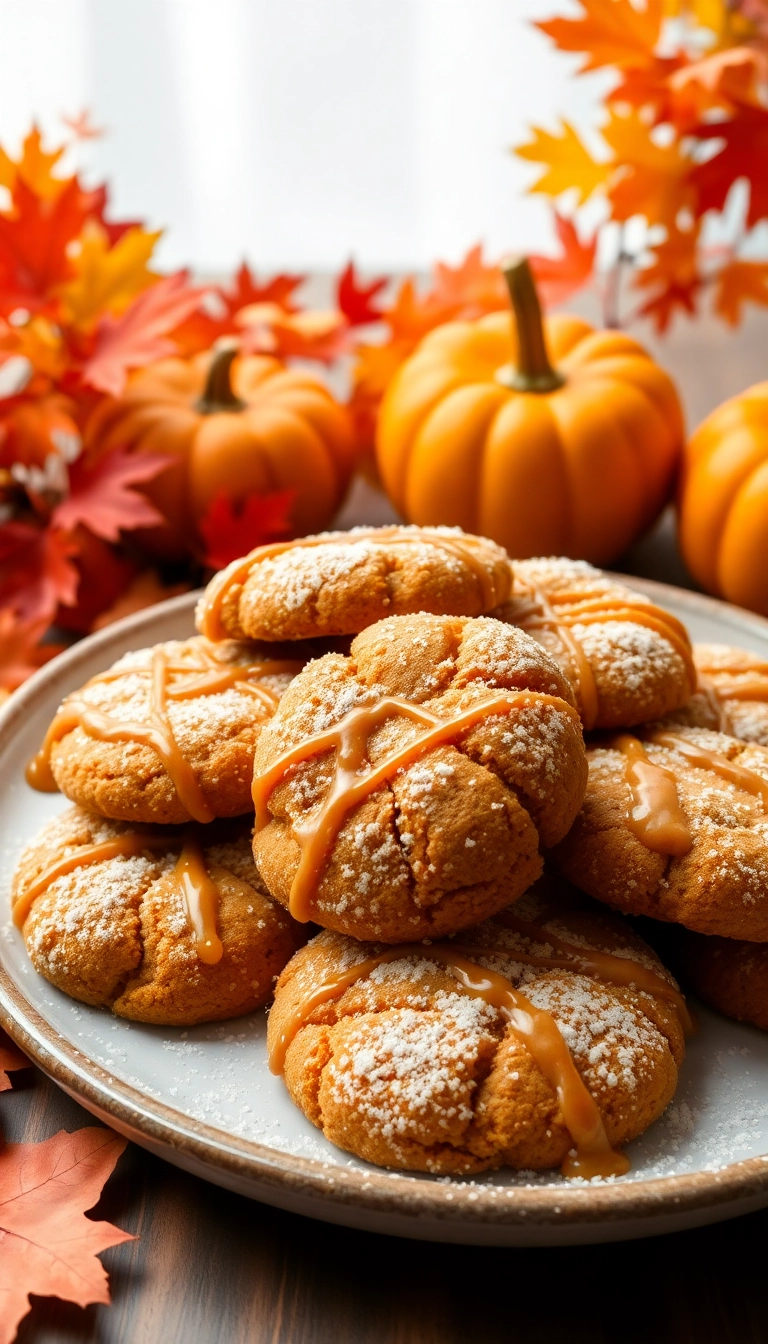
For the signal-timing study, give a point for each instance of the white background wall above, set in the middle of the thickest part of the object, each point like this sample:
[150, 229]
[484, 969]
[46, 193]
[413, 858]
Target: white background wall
[297, 131]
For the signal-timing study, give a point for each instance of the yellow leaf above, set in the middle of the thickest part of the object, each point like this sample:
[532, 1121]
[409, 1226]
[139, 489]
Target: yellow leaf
[609, 32]
[34, 168]
[567, 163]
[652, 179]
[107, 279]
[738, 283]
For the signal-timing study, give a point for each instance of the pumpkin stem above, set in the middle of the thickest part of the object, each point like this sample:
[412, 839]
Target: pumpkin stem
[533, 371]
[218, 393]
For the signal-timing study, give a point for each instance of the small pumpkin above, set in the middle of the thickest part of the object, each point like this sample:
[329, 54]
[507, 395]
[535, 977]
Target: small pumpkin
[239, 424]
[575, 457]
[723, 501]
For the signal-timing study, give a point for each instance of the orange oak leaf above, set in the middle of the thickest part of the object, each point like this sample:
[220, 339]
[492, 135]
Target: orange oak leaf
[101, 495]
[609, 32]
[229, 531]
[36, 571]
[743, 153]
[49, 1246]
[11, 1057]
[740, 282]
[106, 276]
[21, 653]
[653, 180]
[82, 126]
[558, 278]
[566, 163]
[139, 335]
[145, 591]
[355, 300]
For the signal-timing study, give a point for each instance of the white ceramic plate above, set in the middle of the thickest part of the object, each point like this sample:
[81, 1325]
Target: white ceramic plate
[205, 1099]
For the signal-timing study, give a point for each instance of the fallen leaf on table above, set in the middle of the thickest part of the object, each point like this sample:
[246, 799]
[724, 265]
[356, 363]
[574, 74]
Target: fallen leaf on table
[36, 571]
[558, 278]
[21, 652]
[229, 531]
[139, 335]
[49, 1247]
[145, 590]
[11, 1059]
[356, 301]
[101, 495]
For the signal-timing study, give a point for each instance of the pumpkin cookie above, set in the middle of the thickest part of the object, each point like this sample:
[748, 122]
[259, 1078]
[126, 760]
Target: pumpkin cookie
[337, 583]
[163, 927]
[675, 825]
[727, 973]
[628, 660]
[542, 1037]
[733, 693]
[167, 735]
[406, 790]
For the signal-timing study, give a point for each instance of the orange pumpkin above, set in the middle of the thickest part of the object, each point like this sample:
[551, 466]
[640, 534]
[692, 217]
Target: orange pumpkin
[723, 501]
[478, 429]
[241, 425]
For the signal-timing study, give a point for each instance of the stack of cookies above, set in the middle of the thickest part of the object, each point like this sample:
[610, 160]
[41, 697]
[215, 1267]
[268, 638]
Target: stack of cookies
[393, 721]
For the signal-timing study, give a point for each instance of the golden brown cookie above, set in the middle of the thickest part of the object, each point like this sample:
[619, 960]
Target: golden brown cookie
[727, 973]
[161, 926]
[167, 734]
[675, 825]
[628, 660]
[337, 583]
[732, 696]
[391, 1053]
[405, 791]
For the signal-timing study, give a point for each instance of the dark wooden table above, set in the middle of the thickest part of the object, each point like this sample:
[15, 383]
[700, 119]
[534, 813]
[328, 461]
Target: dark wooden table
[214, 1268]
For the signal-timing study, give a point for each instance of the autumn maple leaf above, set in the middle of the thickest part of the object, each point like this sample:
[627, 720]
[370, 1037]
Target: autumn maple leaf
[743, 153]
[49, 1246]
[34, 167]
[740, 282]
[35, 241]
[557, 278]
[11, 1060]
[21, 653]
[36, 571]
[609, 32]
[139, 336]
[228, 531]
[106, 277]
[355, 300]
[313, 334]
[101, 496]
[82, 126]
[654, 180]
[217, 315]
[566, 163]
[672, 277]
[472, 288]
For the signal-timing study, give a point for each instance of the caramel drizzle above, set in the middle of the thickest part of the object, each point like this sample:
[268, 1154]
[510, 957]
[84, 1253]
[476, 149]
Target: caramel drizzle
[157, 733]
[197, 888]
[355, 778]
[655, 814]
[222, 584]
[545, 613]
[533, 1027]
[734, 683]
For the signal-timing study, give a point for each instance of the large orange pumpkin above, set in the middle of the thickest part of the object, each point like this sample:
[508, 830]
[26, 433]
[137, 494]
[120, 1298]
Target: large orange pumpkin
[576, 457]
[723, 501]
[241, 425]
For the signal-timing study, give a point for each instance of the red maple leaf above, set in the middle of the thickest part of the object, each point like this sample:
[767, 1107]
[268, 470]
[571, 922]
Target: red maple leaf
[246, 289]
[34, 240]
[36, 571]
[560, 277]
[355, 301]
[11, 1059]
[101, 495]
[229, 531]
[744, 153]
[139, 335]
[49, 1246]
[82, 126]
[21, 653]
[217, 315]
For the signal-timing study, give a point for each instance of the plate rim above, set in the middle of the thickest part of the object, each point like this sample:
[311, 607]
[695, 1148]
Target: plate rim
[367, 1189]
